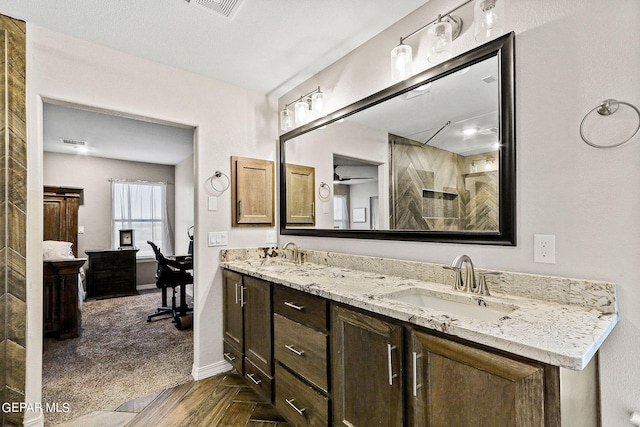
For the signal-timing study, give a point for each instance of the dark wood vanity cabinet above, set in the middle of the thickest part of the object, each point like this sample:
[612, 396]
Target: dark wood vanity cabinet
[247, 326]
[367, 377]
[233, 319]
[341, 366]
[450, 384]
[301, 351]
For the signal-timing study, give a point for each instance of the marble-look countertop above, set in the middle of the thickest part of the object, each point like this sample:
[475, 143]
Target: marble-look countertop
[565, 335]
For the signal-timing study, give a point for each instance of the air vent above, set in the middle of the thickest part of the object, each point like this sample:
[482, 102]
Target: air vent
[74, 142]
[226, 8]
[489, 79]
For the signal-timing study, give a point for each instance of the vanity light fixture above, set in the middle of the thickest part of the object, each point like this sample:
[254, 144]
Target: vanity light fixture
[488, 17]
[310, 105]
[442, 31]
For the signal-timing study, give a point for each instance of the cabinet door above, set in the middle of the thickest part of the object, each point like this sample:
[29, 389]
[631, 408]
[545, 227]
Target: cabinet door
[366, 355]
[301, 202]
[450, 384]
[232, 322]
[257, 323]
[252, 191]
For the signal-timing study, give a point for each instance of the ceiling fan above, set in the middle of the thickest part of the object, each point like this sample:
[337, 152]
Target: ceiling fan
[337, 178]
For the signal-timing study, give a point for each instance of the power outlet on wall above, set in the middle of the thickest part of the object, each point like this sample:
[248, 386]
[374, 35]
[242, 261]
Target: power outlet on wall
[544, 248]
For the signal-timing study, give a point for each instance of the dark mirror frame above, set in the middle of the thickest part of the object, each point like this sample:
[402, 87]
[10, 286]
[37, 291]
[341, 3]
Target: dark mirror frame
[502, 47]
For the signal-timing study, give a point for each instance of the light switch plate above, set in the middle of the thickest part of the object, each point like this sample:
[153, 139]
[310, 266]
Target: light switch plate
[213, 203]
[272, 237]
[218, 238]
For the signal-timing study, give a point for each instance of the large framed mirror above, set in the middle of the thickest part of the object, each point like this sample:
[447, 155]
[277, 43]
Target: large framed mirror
[431, 158]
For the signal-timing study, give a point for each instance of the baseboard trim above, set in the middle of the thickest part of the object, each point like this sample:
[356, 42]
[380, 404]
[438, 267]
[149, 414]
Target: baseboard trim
[145, 287]
[200, 373]
[35, 422]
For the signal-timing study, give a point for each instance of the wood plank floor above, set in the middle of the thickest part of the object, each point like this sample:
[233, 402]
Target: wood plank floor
[222, 400]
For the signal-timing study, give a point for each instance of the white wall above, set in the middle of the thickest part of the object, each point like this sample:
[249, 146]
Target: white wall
[228, 120]
[570, 55]
[184, 204]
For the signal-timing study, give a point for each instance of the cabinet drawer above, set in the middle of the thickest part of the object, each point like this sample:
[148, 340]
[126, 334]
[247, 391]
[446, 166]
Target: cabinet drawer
[302, 349]
[308, 309]
[258, 380]
[299, 403]
[232, 356]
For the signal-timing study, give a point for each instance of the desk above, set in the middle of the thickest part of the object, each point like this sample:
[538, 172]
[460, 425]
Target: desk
[112, 273]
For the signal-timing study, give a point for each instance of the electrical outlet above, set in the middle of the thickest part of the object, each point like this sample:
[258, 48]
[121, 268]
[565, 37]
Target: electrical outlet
[544, 248]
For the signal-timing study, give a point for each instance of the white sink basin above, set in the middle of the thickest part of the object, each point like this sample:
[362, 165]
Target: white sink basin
[471, 306]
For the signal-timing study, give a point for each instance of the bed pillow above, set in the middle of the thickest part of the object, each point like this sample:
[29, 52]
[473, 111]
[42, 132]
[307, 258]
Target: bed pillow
[52, 249]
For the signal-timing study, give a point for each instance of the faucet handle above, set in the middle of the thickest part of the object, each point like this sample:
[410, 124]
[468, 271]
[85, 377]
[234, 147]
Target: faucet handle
[458, 284]
[482, 287]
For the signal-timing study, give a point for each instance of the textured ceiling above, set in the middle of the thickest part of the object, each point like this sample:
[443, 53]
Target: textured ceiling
[270, 46]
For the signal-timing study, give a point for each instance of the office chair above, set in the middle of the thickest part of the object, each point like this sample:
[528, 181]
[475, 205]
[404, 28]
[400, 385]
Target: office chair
[172, 274]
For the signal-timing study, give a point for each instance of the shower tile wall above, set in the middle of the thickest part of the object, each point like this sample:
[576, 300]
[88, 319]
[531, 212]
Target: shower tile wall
[13, 210]
[417, 167]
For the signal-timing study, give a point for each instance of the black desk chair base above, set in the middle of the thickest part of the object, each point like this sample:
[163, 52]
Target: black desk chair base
[172, 274]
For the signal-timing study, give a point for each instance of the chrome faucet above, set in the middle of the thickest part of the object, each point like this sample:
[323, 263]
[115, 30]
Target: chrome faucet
[296, 252]
[468, 282]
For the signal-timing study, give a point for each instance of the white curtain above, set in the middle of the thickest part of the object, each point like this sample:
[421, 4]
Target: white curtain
[141, 206]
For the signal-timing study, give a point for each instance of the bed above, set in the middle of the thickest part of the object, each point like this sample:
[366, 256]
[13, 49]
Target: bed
[63, 290]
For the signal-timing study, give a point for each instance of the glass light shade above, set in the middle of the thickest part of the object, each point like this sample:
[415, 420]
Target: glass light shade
[488, 18]
[401, 62]
[319, 104]
[439, 41]
[285, 119]
[302, 111]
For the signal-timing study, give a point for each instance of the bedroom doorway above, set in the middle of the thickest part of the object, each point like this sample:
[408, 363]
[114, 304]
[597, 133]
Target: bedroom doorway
[118, 355]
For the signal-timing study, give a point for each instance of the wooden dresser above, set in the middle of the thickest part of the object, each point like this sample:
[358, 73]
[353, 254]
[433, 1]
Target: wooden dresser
[112, 273]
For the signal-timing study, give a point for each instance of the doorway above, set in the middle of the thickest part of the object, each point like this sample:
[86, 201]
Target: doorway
[89, 148]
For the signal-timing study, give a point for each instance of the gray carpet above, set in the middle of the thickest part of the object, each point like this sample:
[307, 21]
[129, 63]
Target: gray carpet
[118, 357]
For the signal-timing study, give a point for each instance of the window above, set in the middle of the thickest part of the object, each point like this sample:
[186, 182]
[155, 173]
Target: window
[141, 206]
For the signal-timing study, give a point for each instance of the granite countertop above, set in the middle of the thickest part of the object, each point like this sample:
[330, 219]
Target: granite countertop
[565, 335]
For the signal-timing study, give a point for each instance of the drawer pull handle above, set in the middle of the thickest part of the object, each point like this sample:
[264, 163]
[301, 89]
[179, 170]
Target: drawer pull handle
[255, 381]
[229, 357]
[242, 301]
[295, 307]
[298, 410]
[390, 348]
[416, 386]
[293, 350]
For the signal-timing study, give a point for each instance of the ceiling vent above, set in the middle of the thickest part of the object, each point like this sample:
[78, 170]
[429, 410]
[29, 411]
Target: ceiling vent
[74, 142]
[226, 8]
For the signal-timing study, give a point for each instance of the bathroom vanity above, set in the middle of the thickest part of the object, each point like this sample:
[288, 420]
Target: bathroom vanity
[348, 340]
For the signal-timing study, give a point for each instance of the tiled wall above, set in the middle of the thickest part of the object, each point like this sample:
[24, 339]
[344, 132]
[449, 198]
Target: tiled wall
[13, 214]
[464, 198]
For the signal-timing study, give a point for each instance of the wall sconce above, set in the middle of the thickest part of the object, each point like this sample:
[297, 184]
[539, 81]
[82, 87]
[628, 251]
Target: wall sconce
[442, 31]
[310, 105]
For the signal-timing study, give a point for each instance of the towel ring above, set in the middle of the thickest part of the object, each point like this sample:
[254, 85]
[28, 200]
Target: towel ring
[324, 191]
[607, 108]
[218, 175]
